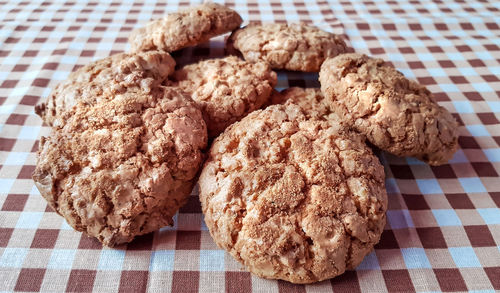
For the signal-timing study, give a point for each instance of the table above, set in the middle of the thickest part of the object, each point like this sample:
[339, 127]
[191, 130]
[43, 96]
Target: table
[443, 228]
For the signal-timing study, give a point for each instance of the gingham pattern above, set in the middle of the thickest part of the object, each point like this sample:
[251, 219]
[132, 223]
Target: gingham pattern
[443, 230]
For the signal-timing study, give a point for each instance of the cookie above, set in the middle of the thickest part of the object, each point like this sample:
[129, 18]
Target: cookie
[186, 28]
[114, 74]
[293, 198]
[226, 89]
[122, 167]
[397, 115]
[310, 100]
[296, 47]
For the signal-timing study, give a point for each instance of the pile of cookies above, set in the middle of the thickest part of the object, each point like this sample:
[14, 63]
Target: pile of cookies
[291, 190]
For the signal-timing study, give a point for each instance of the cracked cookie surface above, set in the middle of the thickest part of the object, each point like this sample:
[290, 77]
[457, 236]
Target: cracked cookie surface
[293, 198]
[123, 167]
[114, 74]
[226, 89]
[397, 115]
[310, 100]
[186, 28]
[297, 47]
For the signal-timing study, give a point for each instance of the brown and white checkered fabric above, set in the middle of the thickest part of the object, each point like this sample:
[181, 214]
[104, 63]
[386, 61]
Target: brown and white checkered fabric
[443, 230]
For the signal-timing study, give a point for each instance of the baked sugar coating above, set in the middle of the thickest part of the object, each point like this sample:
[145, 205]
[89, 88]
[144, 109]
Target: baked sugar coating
[226, 89]
[310, 100]
[123, 167]
[395, 114]
[296, 47]
[186, 28]
[114, 74]
[293, 198]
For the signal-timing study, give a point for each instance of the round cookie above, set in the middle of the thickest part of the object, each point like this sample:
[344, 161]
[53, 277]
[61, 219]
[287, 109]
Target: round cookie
[296, 47]
[186, 28]
[395, 114]
[123, 167]
[226, 89]
[114, 74]
[293, 198]
[310, 100]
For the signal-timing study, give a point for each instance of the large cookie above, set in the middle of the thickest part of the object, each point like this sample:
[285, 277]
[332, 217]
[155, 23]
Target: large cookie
[114, 74]
[123, 167]
[226, 89]
[186, 28]
[287, 46]
[395, 114]
[293, 198]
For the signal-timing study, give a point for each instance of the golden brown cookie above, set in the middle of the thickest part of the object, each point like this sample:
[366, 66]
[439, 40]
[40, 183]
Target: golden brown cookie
[122, 167]
[395, 114]
[293, 198]
[114, 74]
[296, 47]
[186, 28]
[226, 89]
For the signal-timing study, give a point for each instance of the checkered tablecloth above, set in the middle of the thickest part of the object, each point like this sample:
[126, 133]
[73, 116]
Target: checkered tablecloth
[443, 228]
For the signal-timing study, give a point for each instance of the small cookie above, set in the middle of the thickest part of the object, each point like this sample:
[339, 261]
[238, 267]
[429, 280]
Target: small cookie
[293, 198]
[310, 100]
[287, 46]
[226, 89]
[123, 167]
[186, 28]
[395, 114]
[113, 74]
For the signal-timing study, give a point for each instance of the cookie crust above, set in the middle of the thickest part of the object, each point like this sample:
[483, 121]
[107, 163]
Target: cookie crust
[311, 100]
[123, 167]
[294, 46]
[112, 75]
[226, 89]
[395, 114]
[293, 198]
[186, 28]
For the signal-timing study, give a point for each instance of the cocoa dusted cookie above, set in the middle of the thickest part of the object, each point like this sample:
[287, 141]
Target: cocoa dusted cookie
[226, 89]
[395, 114]
[114, 74]
[186, 28]
[296, 47]
[293, 198]
[122, 167]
